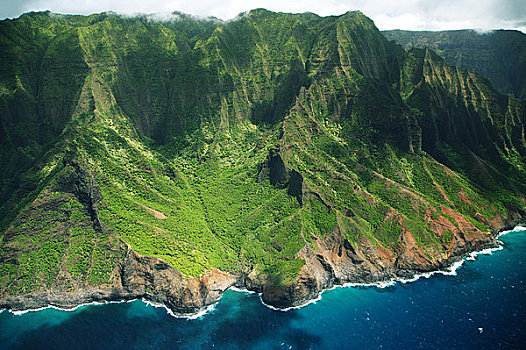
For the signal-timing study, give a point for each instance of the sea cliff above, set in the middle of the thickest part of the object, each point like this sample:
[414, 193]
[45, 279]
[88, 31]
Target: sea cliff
[282, 153]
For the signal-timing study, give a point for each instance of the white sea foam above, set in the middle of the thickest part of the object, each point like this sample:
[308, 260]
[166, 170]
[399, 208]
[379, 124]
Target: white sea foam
[488, 251]
[241, 290]
[516, 228]
[244, 290]
[308, 302]
[68, 309]
[192, 316]
[170, 312]
[157, 305]
[450, 271]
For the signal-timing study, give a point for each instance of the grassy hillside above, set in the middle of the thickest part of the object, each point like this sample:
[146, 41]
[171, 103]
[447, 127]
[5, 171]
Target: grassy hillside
[236, 145]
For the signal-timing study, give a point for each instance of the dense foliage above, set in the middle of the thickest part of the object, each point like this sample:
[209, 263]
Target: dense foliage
[233, 145]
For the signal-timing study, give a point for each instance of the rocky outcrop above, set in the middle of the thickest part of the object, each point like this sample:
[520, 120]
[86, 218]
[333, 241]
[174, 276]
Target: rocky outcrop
[280, 176]
[336, 261]
[138, 277]
[157, 281]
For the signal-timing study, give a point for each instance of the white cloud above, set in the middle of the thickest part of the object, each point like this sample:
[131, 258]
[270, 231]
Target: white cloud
[387, 14]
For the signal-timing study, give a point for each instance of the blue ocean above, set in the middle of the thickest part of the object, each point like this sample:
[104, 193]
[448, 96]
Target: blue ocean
[483, 306]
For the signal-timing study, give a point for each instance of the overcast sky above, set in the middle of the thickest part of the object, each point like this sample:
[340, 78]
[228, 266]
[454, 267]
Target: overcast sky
[387, 14]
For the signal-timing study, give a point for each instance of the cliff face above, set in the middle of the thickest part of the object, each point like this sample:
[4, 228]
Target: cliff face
[282, 153]
[498, 55]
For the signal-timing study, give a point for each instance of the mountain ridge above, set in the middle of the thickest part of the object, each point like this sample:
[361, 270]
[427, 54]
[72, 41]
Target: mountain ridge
[278, 152]
[499, 55]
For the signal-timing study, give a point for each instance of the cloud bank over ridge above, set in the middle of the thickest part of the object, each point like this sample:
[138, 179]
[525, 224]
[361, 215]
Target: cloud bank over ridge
[387, 14]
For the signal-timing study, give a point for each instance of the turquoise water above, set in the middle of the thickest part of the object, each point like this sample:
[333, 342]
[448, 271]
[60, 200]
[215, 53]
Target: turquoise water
[482, 307]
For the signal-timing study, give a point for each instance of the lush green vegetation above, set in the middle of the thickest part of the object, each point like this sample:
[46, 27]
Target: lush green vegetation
[169, 136]
[58, 247]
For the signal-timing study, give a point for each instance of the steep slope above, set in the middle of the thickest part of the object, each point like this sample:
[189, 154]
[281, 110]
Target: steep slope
[499, 55]
[283, 153]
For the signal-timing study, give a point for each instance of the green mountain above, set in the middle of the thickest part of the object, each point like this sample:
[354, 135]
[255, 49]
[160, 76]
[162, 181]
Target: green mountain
[498, 55]
[283, 153]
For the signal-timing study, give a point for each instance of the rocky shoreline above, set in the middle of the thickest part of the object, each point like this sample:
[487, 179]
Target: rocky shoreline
[335, 263]
[321, 156]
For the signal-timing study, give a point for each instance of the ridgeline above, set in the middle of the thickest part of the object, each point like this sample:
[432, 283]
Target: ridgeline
[283, 153]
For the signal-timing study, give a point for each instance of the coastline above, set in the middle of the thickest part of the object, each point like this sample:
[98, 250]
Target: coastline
[75, 308]
[447, 271]
[105, 302]
[451, 270]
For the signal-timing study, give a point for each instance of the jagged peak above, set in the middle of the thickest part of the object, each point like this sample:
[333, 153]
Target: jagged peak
[358, 18]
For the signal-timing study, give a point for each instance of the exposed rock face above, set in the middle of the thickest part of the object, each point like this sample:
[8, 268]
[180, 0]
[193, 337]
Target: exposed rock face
[332, 260]
[157, 281]
[139, 277]
[133, 276]
[280, 176]
[336, 261]
[284, 153]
